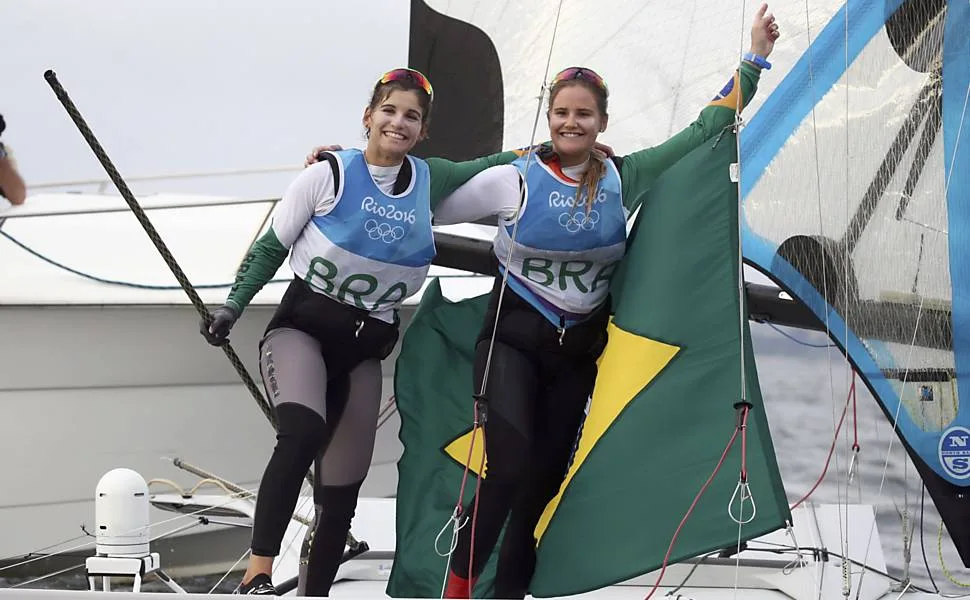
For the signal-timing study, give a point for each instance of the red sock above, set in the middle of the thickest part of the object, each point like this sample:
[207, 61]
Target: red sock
[459, 587]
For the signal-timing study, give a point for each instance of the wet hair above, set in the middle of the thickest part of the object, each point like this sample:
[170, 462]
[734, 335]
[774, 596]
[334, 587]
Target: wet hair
[383, 90]
[597, 167]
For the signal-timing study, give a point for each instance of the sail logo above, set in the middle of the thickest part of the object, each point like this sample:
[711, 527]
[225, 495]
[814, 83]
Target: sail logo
[954, 452]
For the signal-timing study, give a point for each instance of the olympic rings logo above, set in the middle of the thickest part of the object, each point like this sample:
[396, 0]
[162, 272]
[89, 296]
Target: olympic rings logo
[383, 231]
[574, 221]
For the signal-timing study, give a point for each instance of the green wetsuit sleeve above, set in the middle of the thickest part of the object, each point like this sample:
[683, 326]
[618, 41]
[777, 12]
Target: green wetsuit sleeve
[640, 169]
[262, 262]
[447, 176]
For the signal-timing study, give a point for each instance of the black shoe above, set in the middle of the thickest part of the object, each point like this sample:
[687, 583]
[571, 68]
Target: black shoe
[260, 585]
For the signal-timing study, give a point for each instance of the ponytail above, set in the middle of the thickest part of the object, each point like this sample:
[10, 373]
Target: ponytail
[591, 178]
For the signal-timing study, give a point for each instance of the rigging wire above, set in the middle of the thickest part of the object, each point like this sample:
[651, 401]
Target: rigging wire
[743, 404]
[177, 517]
[47, 576]
[479, 409]
[821, 228]
[225, 575]
[820, 552]
[846, 265]
[912, 345]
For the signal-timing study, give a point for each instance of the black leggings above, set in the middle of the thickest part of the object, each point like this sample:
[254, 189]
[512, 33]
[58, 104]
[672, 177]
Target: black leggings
[320, 363]
[536, 398]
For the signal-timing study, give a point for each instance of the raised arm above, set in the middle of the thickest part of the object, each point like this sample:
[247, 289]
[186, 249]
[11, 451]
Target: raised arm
[640, 169]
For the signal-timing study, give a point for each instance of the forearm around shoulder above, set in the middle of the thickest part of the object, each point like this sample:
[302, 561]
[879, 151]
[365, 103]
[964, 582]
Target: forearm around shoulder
[447, 176]
[493, 192]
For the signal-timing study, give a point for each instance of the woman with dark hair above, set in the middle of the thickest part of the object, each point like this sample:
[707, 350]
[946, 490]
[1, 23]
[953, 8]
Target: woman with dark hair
[562, 231]
[357, 229]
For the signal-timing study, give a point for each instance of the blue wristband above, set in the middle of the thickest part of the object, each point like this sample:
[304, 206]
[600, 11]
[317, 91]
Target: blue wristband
[757, 60]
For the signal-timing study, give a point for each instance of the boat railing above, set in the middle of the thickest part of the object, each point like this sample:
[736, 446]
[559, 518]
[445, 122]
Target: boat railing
[102, 185]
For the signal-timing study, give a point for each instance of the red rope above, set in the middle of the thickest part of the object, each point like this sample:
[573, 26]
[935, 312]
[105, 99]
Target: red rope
[459, 505]
[835, 439]
[471, 547]
[744, 444]
[690, 510]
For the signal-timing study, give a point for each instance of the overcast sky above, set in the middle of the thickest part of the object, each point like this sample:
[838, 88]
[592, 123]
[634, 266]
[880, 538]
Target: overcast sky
[183, 86]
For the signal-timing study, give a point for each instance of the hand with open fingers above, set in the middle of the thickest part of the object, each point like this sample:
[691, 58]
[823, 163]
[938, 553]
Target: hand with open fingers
[607, 150]
[217, 333]
[314, 155]
[764, 32]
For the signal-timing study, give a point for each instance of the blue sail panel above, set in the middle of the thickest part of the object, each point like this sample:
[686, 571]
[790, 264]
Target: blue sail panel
[855, 180]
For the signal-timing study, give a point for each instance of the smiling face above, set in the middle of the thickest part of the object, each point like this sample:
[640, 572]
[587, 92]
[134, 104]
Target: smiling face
[576, 117]
[395, 123]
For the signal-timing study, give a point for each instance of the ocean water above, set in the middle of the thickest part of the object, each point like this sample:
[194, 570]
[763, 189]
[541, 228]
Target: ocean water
[804, 389]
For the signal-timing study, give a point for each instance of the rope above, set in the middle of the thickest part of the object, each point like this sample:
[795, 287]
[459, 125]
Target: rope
[153, 235]
[47, 576]
[145, 286]
[119, 282]
[796, 340]
[480, 408]
[922, 544]
[230, 571]
[690, 510]
[828, 459]
[946, 571]
[177, 517]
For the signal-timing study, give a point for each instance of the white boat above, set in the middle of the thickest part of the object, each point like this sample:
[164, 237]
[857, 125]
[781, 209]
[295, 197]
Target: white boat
[800, 563]
[83, 356]
[99, 373]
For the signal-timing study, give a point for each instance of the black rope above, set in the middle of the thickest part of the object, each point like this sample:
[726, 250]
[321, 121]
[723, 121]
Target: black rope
[131, 284]
[183, 281]
[926, 562]
[135, 284]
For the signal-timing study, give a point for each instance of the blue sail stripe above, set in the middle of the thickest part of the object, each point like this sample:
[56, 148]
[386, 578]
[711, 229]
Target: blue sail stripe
[796, 95]
[956, 143]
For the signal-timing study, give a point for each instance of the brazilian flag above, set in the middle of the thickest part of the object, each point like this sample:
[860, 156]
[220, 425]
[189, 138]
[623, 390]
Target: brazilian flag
[667, 403]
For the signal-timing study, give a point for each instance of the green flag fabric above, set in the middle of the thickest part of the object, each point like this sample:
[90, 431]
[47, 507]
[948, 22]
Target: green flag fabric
[433, 388]
[665, 406]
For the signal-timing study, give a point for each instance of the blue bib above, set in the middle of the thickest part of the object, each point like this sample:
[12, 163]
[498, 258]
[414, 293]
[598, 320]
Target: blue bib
[565, 251]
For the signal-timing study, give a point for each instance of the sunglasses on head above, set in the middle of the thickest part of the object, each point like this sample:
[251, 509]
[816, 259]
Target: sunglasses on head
[580, 73]
[409, 74]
